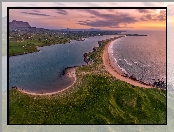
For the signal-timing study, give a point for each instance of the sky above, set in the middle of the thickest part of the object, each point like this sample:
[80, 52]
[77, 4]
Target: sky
[106, 19]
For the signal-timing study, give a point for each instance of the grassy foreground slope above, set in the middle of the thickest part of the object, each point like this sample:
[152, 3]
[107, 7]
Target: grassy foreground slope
[96, 98]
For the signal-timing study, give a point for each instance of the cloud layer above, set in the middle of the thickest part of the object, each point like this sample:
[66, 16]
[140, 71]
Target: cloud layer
[61, 11]
[37, 14]
[36, 11]
[151, 15]
[93, 18]
[113, 20]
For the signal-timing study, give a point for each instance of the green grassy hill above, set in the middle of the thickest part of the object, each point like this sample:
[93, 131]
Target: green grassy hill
[96, 98]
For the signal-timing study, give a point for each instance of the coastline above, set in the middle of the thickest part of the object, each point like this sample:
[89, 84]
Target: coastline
[70, 72]
[95, 89]
[114, 71]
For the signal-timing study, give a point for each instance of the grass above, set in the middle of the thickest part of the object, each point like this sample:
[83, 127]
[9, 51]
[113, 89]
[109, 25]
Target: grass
[96, 98]
[19, 47]
[29, 46]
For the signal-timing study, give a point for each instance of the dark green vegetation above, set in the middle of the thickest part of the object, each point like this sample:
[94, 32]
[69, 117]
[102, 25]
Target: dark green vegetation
[96, 98]
[23, 42]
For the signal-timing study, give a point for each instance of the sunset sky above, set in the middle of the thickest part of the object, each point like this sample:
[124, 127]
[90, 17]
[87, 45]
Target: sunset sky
[92, 18]
[112, 19]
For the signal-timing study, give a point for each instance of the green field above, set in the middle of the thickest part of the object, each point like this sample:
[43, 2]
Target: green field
[22, 44]
[29, 46]
[96, 98]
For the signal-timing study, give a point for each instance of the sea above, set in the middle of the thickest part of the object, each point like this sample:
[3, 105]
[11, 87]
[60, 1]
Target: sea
[41, 72]
[144, 57]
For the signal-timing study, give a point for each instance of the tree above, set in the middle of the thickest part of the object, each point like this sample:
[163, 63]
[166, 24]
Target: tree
[39, 39]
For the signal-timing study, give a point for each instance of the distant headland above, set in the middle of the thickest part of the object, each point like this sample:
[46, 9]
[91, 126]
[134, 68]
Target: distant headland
[24, 39]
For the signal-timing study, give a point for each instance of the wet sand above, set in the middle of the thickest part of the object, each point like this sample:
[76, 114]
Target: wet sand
[70, 72]
[113, 71]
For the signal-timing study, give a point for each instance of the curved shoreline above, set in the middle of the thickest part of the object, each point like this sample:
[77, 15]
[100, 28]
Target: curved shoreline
[109, 67]
[70, 74]
[113, 71]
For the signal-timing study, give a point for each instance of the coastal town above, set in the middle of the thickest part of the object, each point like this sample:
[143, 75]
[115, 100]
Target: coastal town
[24, 39]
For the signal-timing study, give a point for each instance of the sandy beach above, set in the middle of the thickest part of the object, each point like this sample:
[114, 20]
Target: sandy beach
[113, 71]
[70, 73]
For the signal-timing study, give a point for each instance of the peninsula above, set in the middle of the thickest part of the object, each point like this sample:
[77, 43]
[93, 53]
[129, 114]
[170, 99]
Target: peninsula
[25, 39]
[96, 97]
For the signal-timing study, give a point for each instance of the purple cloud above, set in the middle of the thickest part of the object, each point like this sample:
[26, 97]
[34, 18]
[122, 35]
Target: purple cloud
[61, 11]
[155, 17]
[36, 11]
[37, 14]
[146, 10]
[114, 20]
[104, 23]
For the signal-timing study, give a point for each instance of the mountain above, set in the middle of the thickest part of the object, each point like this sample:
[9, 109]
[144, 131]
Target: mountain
[18, 24]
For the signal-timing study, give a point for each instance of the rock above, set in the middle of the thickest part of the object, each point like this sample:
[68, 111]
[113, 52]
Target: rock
[87, 59]
[85, 55]
[94, 49]
[133, 77]
[69, 71]
[14, 87]
[125, 75]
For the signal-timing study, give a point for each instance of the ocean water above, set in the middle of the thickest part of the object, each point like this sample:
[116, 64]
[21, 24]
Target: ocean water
[141, 56]
[41, 72]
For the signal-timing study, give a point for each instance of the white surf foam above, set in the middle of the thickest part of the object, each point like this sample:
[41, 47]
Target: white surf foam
[127, 62]
[113, 59]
